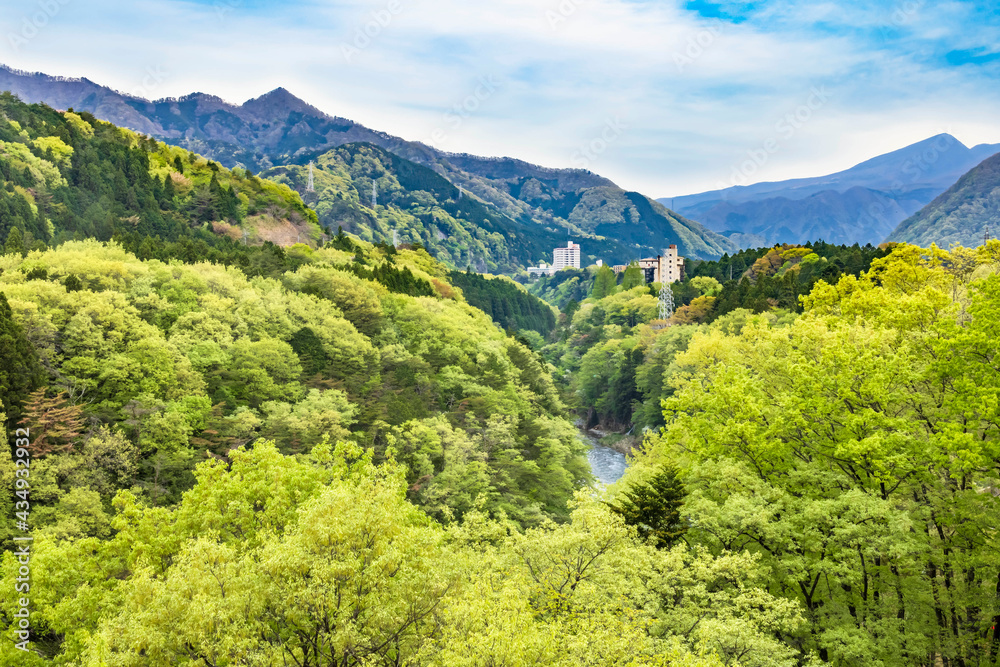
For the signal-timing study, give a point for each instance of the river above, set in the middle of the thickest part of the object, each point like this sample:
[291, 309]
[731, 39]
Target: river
[607, 464]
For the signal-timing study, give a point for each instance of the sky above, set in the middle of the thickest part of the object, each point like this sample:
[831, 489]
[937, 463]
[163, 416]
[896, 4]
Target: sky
[667, 97]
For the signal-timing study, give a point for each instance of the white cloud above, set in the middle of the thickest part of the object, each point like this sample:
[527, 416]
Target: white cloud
[695, 94]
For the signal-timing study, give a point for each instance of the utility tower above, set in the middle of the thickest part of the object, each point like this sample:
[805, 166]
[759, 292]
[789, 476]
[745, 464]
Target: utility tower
[395, 238]
[666, 302]
[310, 184]
[374, 196]
[460, 192]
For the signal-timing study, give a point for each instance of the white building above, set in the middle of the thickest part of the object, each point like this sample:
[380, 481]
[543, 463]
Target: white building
[568, 256]
[541, 270]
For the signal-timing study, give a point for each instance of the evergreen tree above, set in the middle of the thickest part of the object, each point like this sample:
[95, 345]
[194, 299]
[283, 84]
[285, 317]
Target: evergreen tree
[633, 277]
[20, 372]
[73, 284]
[605, 283]
[654, 507]
[15, 243]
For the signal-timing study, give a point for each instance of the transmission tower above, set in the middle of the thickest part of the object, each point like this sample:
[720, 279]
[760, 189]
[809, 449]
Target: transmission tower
[395, 238]
[666, 302]
[460, 192]
[310, 184]
[374, 196]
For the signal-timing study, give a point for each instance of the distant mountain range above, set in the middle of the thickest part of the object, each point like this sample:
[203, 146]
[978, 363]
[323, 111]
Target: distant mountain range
[280, 130]
[863, 204]
[965, 214]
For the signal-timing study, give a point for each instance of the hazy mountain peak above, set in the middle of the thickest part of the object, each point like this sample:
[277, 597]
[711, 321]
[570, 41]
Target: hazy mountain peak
[278, 102]
[863, 203]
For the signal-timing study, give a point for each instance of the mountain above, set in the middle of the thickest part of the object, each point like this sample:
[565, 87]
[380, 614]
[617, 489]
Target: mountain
[965, 214]
[419, 205]
[68, 175]
[279, 129]
[862, 204]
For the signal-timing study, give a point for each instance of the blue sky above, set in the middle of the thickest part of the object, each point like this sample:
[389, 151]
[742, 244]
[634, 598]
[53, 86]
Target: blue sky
[668, 97]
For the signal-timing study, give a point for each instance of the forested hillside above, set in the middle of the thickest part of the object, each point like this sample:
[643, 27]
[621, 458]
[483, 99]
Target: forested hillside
[160, 365]
[854, 451]
[366, 476]
[279, 129]
[509, 304]
[848, 444]
[70, 175]
[312, 468]
[967, 213]
[604, 345]
[421, 206]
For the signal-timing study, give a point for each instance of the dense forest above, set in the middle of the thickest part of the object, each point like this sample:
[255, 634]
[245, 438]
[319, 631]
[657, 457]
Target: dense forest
[71, 176]
[616, 371]
[246, 452]
[509, 304]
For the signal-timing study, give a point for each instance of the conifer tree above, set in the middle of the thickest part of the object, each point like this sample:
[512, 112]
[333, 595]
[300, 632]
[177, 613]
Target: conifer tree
[20, 372]
[15, 243]
[653, 507]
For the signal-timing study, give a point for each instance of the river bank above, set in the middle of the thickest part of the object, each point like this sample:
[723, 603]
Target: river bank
[623, 443]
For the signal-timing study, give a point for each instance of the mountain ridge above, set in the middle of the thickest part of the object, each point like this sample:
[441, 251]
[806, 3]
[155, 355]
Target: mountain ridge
[966, 214]
[893, 186]
[277, 128]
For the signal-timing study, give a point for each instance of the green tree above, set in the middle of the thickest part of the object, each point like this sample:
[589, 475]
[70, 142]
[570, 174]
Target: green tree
[15, 243]
[20, 370]
[654, 508]
[633, 277]
[605, 283]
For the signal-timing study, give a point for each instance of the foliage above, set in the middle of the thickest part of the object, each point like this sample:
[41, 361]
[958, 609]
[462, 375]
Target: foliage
[20, 371]
[188, 361]
[321, 560]
[653, 507]
[68, 175]
[509, 304]
[56, 423]
[853, 452]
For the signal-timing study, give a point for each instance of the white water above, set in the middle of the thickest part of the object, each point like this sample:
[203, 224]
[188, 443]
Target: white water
[607, 464]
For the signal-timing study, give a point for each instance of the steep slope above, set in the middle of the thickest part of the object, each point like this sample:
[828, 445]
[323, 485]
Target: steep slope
[419, 205]
[280, 129]
[860, 204]
[965, 214]
[68, 175]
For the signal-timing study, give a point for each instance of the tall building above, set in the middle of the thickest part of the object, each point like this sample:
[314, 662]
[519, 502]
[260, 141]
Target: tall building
[667, 268]
[568, 256]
